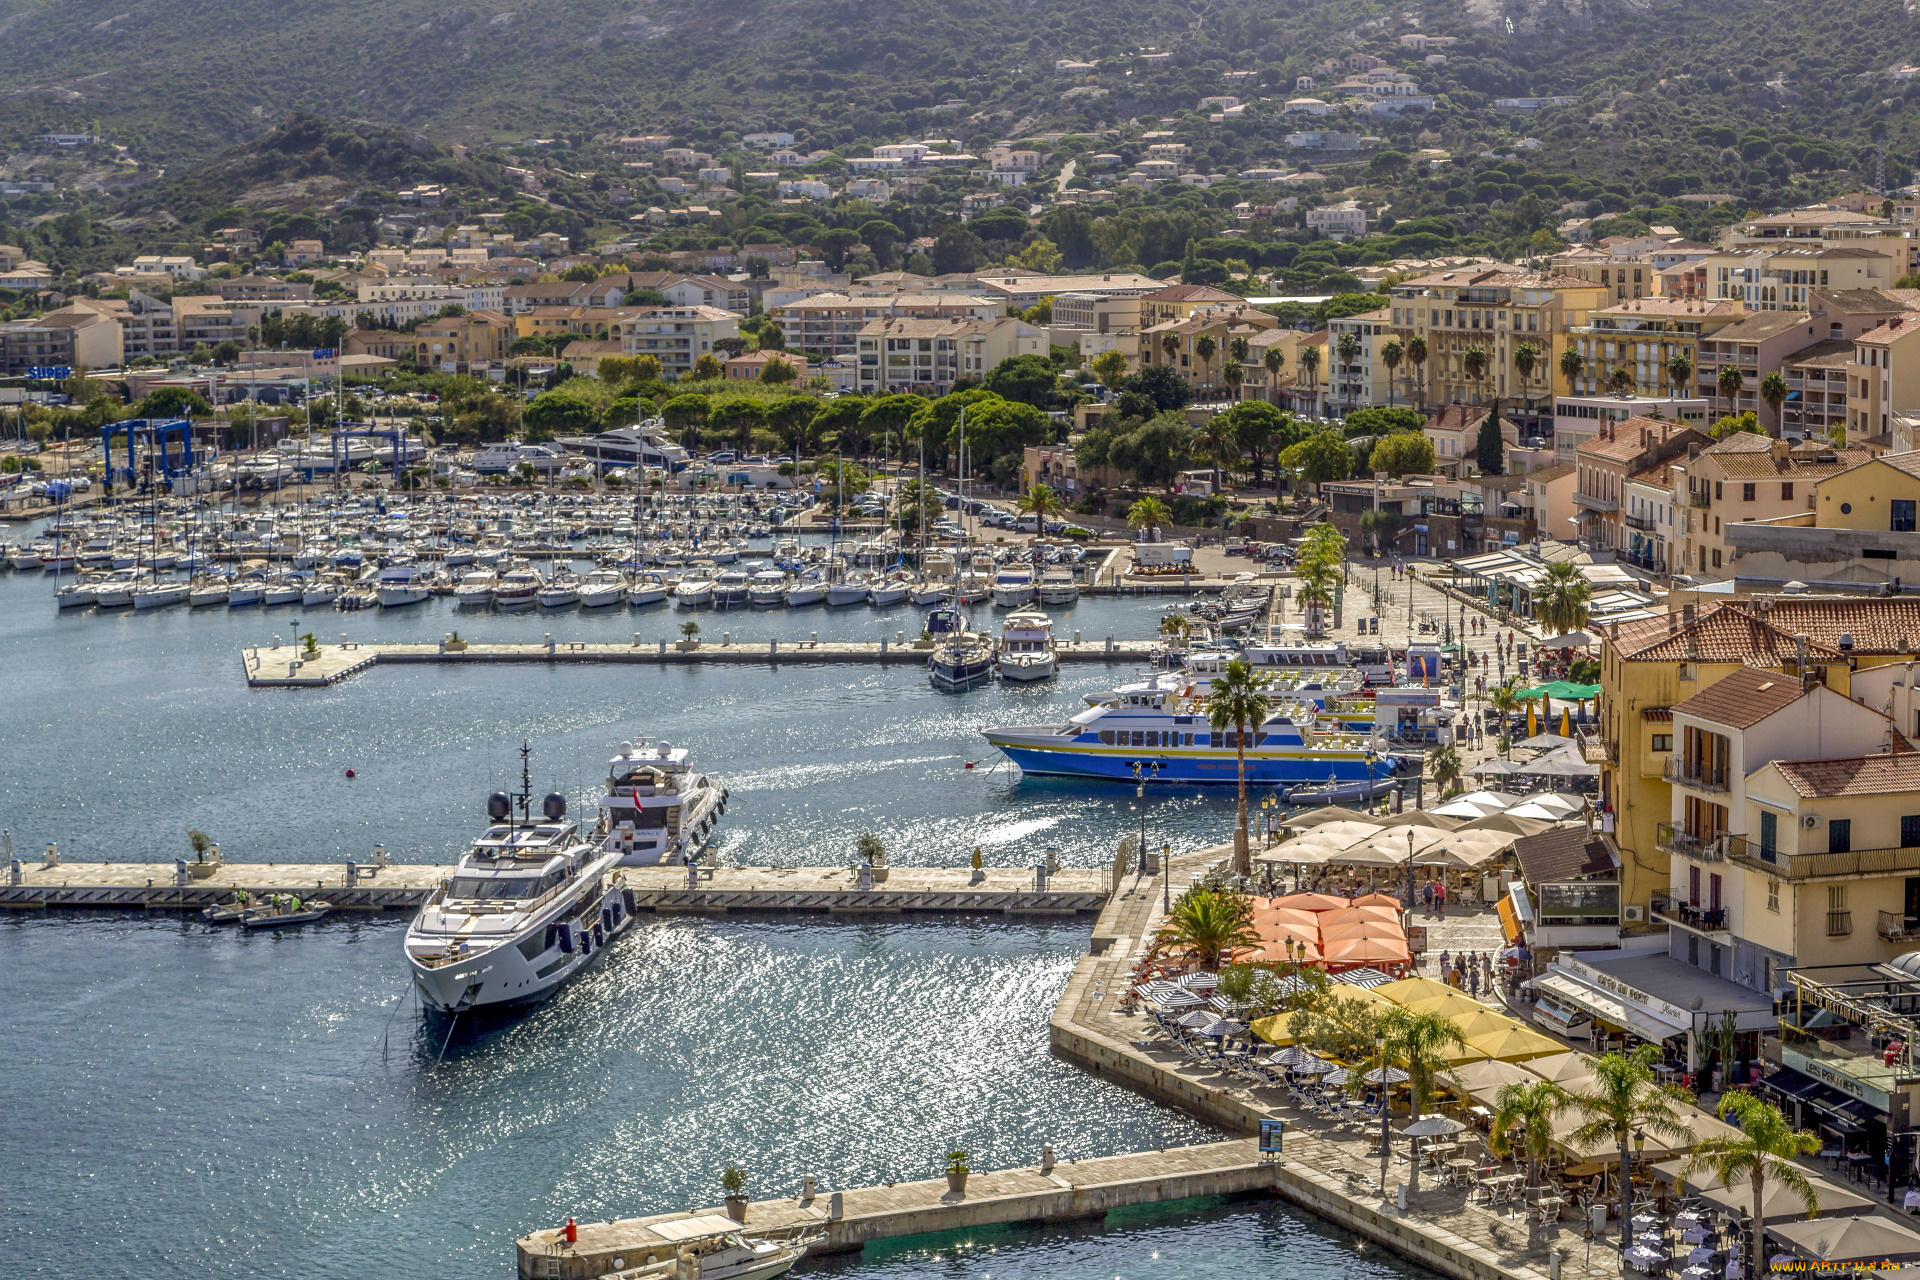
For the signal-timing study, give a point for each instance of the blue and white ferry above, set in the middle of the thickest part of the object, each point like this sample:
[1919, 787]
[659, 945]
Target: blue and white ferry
[1169, 729]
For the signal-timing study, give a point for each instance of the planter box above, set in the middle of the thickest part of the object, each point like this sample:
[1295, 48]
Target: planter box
[202, 870]
[957, 1183]
[686, 646]
[737, 1208]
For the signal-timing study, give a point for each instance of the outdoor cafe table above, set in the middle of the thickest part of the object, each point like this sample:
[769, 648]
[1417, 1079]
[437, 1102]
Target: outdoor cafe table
[1696, 1234]
[1645, 1222]
[1641, 1258]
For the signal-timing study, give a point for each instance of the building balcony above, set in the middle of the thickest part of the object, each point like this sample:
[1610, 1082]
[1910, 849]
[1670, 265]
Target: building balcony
[1820, 866]
[1691, 773]
[1700, 848]
[1699, 498]
[1594, 503]
[1642, 523]
[1676, 912]
[1897, 926]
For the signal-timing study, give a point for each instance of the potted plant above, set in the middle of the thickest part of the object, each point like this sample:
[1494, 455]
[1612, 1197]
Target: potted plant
[734, 1182]
[310, 645]
[454, 643]
[202, 844]
[924, 640]
[957, 1172]
[873, 852]
[691, 631]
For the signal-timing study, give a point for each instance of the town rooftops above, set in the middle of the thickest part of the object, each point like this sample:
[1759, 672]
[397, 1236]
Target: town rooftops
[1664, 306]
[1744, 698]
[1625, 441]
[1857, 302]
[1761, 327]
[1898, 327]
[1191, 293]
[1723, 633]
[1853, 775]
[1497, 277]
[1773, 460]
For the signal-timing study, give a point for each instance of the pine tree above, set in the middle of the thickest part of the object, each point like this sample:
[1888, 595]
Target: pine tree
[1489, 450]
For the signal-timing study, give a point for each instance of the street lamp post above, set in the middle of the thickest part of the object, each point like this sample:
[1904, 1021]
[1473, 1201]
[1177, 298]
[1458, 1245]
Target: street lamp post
[1409, 873]
[1143, 772]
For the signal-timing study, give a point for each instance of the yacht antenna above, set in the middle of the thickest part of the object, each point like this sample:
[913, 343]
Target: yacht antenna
[526, 782]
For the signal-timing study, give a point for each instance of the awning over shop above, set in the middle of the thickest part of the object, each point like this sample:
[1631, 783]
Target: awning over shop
[1837, 1110]
[1509, 920]
[1606, 1006]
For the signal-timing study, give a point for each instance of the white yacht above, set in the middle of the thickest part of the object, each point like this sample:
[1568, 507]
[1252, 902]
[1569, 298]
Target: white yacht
[1057, 586]
[1013, 587]
[731, 590]
[767, 589]
[205, 591]
[657, 809]
[644, 444]
[403, 584]
[695, 587]
[474, 590]
[528, 907]
[1026, 647]
[889, 590]
[650, 587]
[852, 589]
[158, 595]
[499, 459]
[808, 588]
[561, 590]
[601, 588]
[516, 589]
[115, 591]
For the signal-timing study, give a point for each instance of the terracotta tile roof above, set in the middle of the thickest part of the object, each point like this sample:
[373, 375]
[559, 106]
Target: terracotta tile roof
[1657, 715]
[1744, 698]
[1899, 327]
[1721, 633]
[1803, 464]
[1758, 328]
[1627, 443]
[1463, 417]
[1859, 301]
[1883, 625]
[1853, 775]
[1553, 472]
[1905, 462]
[1566, 852]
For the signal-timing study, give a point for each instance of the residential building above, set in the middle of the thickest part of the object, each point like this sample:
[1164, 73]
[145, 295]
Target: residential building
[1882, 378]
[1652, 517]
[1345, 220]
[262, 288]
[1643, 337]
[751, 366]
[1770, 341]
[1495, 311]
[604, 292]
[178, 266]
[1572, 898]
[1785, 279]
[676, 336]
[460, 344]
[927, 356]
[1181, 343]
[1022, 291]
[1365, 381]
[1604, 464]
[1749, 477]
[71, 338]
[830, 324]
[1455, 433]
[1179, 301]
[1861, 532]
[1578, 418]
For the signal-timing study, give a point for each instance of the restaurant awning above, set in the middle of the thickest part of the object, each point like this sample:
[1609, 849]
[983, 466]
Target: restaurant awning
[1607, 1006]
[1837, 1110]
[1779, 1203]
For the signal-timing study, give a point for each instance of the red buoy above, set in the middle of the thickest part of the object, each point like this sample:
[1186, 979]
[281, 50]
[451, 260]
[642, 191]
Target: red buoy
[969, 764]
[349, 773]
[572, 1231]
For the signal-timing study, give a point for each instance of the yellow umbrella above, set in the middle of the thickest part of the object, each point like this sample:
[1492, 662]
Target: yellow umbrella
[1272, 1028]
[1407, 990]
[1479, 1022]
[1569, 1070]
[1458, 1054]
[1514, 1044]
[1431, 997]
[1533, 718]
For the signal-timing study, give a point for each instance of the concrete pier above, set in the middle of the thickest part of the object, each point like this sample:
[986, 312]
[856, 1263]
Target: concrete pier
[290, 667]
[851, 1219]
[162, 886]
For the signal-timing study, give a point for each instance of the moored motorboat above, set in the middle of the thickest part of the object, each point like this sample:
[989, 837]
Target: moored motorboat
[279, 910]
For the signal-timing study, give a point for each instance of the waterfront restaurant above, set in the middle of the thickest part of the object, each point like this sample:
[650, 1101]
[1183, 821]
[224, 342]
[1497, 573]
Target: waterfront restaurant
[1844, 1064]
[1638, 992]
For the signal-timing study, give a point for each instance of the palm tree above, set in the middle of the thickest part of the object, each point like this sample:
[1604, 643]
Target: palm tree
[1572, 365]
[1526, 358]
[1233, 375]
[1204, 346]
[1391, 354]
[1417, 357]
[1348, 348]
[1208, 925]
[1444, 763]
[1765, 1148]
[1418, 1042]
[1621, 380]
[1561, 599]
[1275, 359]
[1315, 598]
[1238, 701]
[1530, 1110]
[1679, 373]
[1237, 350]
[1310, 367]
[1730, 383]
[1505, 700]
[1148, 513]
[1773, 390]
[1624, 1100]
[1169, 344]
[1473, 362]
[1040, 500]
[1219, 443]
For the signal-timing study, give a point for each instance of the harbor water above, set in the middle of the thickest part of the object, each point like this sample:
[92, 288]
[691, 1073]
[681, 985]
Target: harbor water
[189, 1102]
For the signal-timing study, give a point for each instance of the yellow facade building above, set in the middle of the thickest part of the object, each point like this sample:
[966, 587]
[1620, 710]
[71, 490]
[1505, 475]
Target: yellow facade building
[1496, 311]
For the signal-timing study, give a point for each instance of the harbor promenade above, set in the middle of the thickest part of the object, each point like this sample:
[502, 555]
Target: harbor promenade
[165, 886]
[285, 666]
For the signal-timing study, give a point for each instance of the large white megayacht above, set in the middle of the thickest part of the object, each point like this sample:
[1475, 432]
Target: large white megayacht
[656, 808]
[528, 907]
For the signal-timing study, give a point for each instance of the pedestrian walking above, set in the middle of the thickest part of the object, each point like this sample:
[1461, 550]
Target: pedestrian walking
[1426, 896]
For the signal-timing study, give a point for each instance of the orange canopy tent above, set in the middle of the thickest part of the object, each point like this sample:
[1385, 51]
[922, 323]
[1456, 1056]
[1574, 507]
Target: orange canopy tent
[1309, 901]
[1366, 951]
[1377, 900]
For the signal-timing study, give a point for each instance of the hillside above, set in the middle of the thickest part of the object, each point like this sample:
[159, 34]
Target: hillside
[179, 81]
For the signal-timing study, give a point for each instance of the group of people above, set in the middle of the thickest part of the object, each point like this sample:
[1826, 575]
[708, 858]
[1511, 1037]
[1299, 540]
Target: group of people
[1468, 971]
[1433, 894]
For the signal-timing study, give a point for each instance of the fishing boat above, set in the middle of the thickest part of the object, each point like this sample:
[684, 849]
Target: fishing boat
[657, 809]
[1027, 651]
[1168, 728]
[528, 907]
[280, 910]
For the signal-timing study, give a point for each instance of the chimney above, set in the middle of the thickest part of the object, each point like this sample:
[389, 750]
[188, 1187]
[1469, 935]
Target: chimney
[1687, 613]
[1800, 656]
[1645, 438]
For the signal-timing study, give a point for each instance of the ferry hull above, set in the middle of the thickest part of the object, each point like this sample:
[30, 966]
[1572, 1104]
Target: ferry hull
[1115, 764]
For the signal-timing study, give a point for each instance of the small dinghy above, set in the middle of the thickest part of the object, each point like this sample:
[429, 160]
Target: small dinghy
[229, 911]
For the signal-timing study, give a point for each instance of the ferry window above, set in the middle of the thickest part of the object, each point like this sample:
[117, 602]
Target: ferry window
[1189, 739]
[1139, 738]
[1106, 736]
